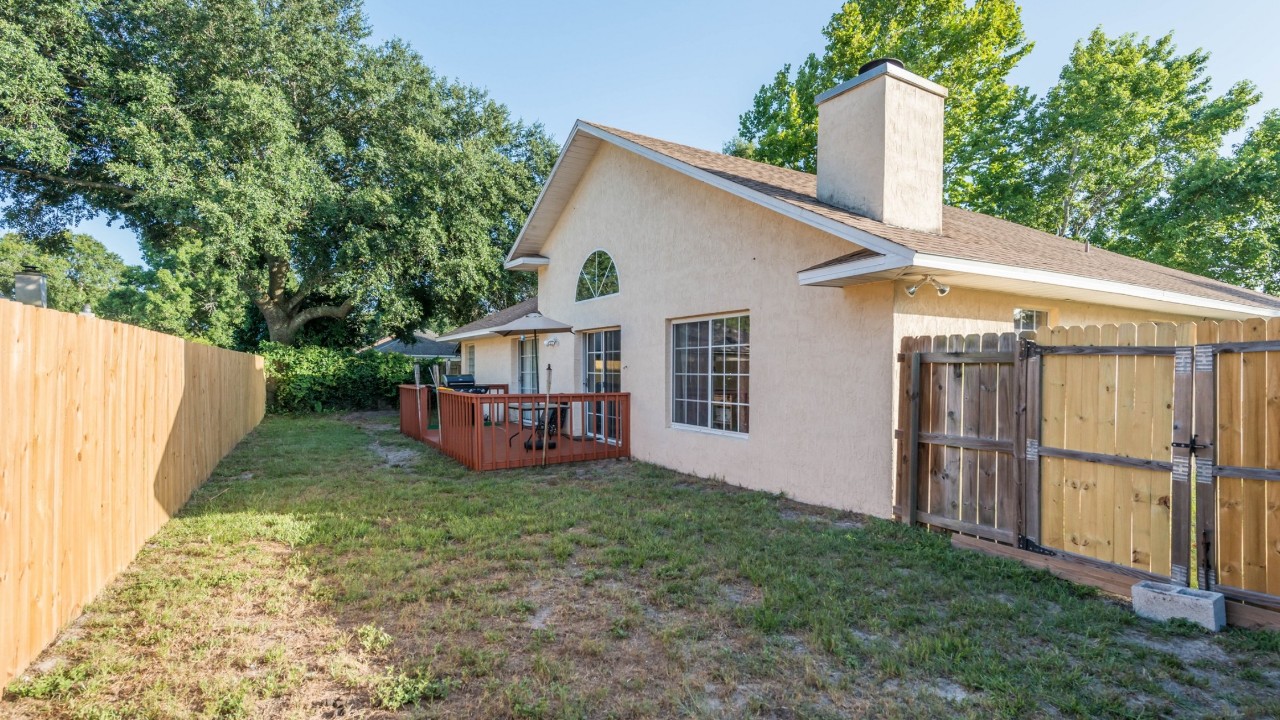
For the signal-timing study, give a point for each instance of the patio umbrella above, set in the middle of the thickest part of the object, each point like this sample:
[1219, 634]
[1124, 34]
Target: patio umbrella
[535, 323]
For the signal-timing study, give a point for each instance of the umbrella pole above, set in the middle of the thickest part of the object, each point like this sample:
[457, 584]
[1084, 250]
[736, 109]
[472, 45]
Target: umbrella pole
[546, 418]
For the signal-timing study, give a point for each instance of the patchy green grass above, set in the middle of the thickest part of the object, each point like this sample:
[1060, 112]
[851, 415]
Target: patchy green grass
[334, 569]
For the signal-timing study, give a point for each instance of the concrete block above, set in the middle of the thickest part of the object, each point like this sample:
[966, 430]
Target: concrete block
[1160, 601]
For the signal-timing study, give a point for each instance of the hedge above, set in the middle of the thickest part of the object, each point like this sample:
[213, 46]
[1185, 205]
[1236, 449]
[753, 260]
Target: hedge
[319, 379]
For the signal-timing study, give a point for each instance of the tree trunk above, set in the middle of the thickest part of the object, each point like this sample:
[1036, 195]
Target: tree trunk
[284, 320]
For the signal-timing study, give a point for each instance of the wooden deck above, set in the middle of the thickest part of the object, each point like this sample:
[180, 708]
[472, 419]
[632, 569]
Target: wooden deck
[490, 432]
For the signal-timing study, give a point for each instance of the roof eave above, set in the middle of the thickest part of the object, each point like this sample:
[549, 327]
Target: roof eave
[527, 263]
[1043, 283]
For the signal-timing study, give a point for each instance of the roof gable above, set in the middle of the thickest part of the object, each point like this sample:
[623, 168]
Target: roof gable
[976, 241]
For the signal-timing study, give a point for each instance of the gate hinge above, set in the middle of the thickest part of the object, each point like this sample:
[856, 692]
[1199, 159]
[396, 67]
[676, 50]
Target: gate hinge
[1029, 349]
[1026, 543]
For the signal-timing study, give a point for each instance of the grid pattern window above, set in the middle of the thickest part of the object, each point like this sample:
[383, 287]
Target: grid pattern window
[711, 374]
[471, 360]
[603, 352]
[528, 351]
[599, 277]
[1029, 320]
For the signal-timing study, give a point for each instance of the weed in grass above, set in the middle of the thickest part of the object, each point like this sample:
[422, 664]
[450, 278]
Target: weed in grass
[394, 690]
[373, 639]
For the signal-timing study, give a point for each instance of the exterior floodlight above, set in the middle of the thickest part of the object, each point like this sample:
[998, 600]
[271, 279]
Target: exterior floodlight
[928, 280]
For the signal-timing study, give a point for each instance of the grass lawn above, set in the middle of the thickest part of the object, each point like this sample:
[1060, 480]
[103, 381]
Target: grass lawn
[334, 569]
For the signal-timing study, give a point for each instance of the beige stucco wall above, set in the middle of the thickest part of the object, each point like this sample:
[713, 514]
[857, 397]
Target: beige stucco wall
[821, 358]
[967, 310]
[823, 369]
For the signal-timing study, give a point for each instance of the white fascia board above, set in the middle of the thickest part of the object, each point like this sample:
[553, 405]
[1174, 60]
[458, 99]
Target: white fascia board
[527, 263]
[1045, 277]
[541, 194]
[852, 234]
[853, 268]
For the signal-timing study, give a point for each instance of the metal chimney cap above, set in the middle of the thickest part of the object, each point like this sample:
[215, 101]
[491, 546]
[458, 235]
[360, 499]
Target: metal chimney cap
[881, 61]
[31, 270]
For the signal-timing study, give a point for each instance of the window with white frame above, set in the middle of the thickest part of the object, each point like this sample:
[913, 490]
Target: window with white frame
[1025, 319]
[599, 277]
[527, 350]
[471, 359]
[711, 373]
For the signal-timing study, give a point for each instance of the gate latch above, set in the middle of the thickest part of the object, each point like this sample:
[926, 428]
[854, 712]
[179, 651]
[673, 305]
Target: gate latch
[1194, 445]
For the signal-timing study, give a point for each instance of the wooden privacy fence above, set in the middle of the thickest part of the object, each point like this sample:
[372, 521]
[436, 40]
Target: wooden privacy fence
[107, 430]
[1084, 443]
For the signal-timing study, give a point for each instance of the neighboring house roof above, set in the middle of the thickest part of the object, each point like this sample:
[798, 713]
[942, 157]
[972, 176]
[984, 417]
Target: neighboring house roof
[1012, 257]
[481, 327]
[425, 344]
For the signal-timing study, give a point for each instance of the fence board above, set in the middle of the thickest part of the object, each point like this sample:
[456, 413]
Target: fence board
[1006, 418]
[1125, 428]
[1101, 538]
[987, 461]
[1253, 452]
[937, 423]
[118, 426]
[1161, 439]
[1272, 461]
[970, 419]
[1230, 490]
[1053, 433]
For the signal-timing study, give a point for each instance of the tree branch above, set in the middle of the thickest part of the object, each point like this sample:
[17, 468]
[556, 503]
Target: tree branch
[73, 182]
[331, 311]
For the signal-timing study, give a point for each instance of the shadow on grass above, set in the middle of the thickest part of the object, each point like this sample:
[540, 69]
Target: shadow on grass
[623, 589]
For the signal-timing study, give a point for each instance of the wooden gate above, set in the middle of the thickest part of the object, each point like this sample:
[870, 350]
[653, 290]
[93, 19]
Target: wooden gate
[1084, 444]
[1237, 431]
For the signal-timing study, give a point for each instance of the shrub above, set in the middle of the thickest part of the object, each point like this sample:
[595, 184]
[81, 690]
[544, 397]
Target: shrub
[316, 379]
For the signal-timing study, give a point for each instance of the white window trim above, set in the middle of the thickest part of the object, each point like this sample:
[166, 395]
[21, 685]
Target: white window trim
[583, 265]
[671, 401]
[1048, 316]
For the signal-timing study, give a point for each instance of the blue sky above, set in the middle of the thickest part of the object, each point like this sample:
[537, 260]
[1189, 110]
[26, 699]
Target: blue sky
[684, 71]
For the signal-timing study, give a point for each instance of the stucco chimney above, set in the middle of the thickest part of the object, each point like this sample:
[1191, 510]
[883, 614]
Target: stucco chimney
[880, 146]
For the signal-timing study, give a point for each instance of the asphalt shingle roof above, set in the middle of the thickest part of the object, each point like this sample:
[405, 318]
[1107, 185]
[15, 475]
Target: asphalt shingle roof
[499, 317]
[965, 234]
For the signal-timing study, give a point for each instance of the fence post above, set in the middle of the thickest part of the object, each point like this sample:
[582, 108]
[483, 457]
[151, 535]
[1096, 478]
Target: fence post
[1183, 401]
[913, 440]
[1205, 429]
[1029, 478]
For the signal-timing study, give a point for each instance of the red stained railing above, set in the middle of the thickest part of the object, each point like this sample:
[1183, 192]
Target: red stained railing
[493, 432]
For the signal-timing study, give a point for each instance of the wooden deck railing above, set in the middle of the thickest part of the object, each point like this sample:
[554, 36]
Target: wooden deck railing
[498, 431]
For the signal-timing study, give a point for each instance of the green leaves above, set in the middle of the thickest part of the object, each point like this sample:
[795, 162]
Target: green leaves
[325, 178]
[1123, 151]
[968, 47]
[313, 379]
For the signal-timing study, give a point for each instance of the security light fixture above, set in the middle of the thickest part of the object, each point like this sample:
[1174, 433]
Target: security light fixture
[929, 280]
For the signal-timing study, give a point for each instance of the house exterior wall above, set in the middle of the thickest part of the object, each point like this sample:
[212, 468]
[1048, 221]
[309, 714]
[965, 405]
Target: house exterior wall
[821, 358]
[964, 311]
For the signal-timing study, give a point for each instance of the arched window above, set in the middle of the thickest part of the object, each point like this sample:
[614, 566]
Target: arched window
[599, 277]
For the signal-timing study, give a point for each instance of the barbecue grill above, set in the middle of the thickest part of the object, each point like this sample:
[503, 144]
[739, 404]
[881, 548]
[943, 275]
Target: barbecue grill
[466, 384]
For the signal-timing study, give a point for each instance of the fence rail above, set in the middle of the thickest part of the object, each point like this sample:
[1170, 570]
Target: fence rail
[107, 430]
